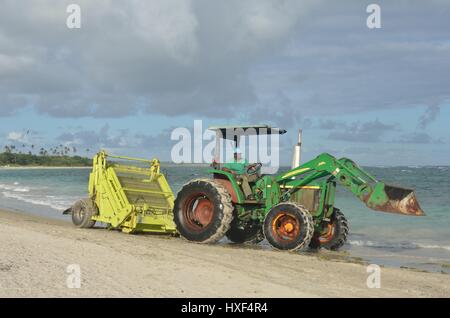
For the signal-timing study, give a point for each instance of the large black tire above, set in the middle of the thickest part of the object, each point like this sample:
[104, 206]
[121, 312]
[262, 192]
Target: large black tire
[203, 211]
[82, 213]
[336, 235]
[251, 234]
[289, 226]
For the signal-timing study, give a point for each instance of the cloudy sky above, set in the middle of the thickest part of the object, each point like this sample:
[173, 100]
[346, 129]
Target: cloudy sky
[136, 69]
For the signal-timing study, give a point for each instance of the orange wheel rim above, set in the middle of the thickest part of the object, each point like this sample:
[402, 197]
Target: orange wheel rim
[198, 212]
[328, 235]
[204, 211]
[285, 227]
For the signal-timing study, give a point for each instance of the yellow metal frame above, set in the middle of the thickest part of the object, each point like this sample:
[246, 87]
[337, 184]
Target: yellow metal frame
[112, 201]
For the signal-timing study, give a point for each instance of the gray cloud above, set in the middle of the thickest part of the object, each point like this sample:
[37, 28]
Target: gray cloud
[331, 124]
[429, 116]
[159, 56]
[104, 137]
[252, 60]
[370, 131]
[419, 138]
[120, 141]
[336, 65]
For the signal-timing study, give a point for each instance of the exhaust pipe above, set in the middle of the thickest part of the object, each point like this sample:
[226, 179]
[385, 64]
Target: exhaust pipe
[297, 151]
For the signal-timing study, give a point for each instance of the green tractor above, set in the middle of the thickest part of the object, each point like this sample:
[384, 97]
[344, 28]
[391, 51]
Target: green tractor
[293, 210]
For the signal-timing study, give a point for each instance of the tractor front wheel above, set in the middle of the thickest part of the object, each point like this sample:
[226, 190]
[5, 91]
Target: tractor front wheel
[203, 211]
[82, 213]
[289, 226]
[334, 235]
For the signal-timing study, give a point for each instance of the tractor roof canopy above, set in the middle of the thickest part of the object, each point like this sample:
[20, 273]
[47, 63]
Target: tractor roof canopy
[231, 132]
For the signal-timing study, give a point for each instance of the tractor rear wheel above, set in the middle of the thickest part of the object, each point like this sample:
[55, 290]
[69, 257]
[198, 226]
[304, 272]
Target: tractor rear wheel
[252, 234]
[335, 234]
[203, 211]
[82, 213]
[289, 226]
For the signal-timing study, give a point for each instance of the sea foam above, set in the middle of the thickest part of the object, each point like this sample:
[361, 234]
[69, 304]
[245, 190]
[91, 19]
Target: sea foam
[397, 245]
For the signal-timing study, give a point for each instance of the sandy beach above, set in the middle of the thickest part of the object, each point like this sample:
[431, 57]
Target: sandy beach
[36, 252]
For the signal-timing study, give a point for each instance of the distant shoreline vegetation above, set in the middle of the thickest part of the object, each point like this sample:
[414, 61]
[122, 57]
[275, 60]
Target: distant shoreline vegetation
[20, 159]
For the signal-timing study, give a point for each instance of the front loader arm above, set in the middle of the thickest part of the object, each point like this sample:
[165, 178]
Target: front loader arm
[375, 194]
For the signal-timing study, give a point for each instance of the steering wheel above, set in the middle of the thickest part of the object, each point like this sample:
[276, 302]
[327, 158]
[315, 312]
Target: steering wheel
[254, 168]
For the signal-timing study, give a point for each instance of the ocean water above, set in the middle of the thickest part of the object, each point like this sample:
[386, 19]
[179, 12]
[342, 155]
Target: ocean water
[381, 238]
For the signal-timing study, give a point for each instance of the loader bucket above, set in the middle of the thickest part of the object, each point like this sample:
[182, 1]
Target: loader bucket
[387, 198]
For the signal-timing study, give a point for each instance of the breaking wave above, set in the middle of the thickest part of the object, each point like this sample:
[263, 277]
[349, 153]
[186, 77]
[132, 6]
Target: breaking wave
[53, 202]
[35, 196]
[15, 187]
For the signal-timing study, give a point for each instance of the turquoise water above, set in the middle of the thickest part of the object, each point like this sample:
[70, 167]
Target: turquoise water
[421, 242]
